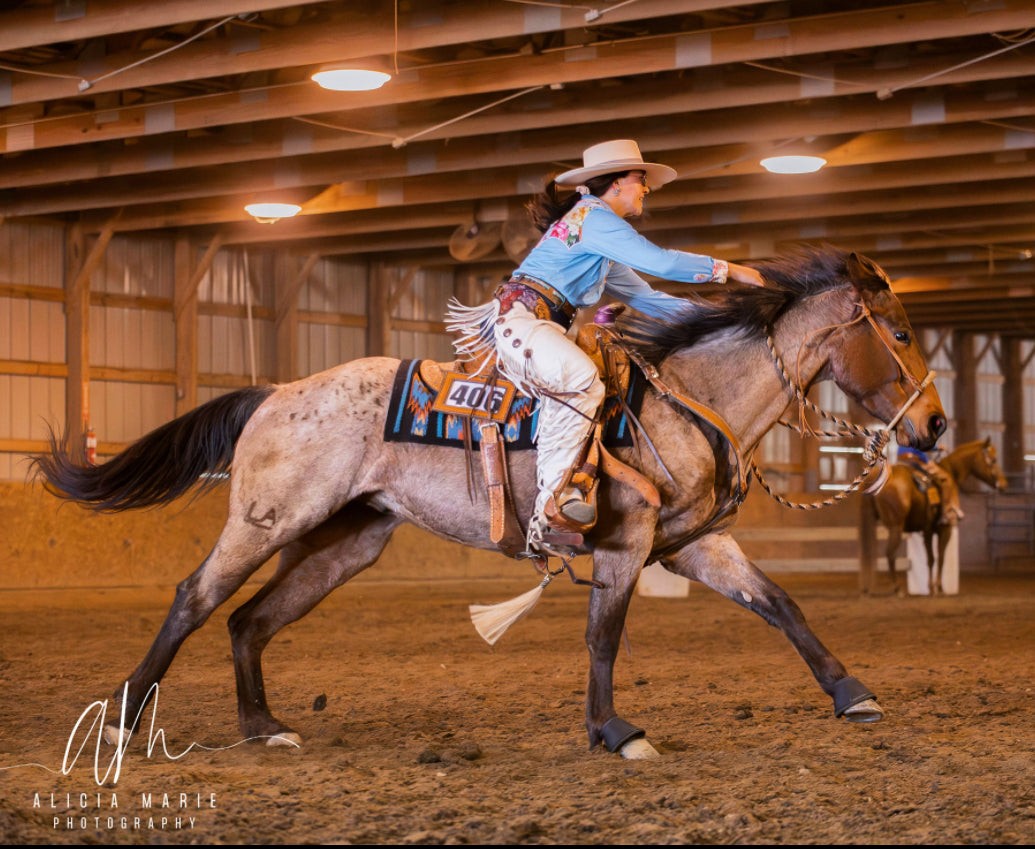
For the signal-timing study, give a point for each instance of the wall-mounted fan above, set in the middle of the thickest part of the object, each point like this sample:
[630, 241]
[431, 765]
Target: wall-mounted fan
[519, 237]
[474, 240]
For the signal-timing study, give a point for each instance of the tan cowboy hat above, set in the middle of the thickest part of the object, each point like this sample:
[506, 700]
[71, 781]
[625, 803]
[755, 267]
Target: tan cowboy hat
[615, 156]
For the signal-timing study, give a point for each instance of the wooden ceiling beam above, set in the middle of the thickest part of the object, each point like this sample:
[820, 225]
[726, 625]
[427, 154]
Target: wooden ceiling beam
[352, 36]
[851, 226]
[862, 242]
[519, 184]
[312, 174]
[744, 190]
[1018, 325]
[1023, 308]
[1017, 274]
[718, 127]
[1006, 314]
[903, 261]
[864, 234]
[955, 288]
[793, 209]
[337, 36]
[387, 246]
[652, 54]
[36, 25]
[755, 243]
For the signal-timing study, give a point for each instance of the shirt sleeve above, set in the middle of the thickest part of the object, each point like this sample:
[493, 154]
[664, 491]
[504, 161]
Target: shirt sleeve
[628, 287]
[606, 234]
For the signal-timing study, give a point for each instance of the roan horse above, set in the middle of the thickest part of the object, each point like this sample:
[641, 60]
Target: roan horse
[312, 478]
[903, 508]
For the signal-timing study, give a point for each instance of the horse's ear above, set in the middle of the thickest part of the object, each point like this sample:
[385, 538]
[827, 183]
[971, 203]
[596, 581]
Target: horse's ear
[988, 440]
[865, 273]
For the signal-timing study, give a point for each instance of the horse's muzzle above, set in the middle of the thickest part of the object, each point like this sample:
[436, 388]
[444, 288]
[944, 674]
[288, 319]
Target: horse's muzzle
[928, 438]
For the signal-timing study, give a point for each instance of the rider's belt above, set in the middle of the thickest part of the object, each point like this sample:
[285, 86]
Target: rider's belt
[541, 299]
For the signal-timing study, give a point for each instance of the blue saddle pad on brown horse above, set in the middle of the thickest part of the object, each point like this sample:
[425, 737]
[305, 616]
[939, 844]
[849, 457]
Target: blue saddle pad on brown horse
[412, 419]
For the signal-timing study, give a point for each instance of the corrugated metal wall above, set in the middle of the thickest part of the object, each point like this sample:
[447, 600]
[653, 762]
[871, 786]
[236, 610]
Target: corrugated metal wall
[30, 331]
[239, 342]
[133, 335]
[425, 300]
[335, 287]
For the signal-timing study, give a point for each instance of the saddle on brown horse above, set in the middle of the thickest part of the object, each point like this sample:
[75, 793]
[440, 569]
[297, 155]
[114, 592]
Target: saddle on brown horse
[930, 490]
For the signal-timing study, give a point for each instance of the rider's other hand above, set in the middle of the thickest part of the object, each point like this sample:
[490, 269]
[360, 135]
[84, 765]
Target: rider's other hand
[743, 274]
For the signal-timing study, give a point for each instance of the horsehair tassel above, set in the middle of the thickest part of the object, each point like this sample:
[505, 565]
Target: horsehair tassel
[491, 620]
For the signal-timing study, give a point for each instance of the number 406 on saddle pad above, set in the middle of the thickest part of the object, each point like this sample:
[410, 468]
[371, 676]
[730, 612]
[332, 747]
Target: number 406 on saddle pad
[475, 395]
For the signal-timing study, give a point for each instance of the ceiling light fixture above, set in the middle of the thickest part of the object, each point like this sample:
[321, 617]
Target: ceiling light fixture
[793, 164]
[267, 213]
[343, 78]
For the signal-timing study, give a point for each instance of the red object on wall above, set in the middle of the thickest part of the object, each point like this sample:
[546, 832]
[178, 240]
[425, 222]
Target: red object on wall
[91, 447]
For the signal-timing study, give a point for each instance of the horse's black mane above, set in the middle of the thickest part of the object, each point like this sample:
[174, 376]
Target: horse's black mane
[749, 310]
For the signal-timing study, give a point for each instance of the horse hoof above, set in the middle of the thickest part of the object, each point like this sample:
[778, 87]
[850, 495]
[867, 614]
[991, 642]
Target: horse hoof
[867, 711]
[639, 750]
[111, 735]
[285, 738]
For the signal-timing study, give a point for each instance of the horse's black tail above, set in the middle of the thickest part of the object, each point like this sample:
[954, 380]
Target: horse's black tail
[160, 466]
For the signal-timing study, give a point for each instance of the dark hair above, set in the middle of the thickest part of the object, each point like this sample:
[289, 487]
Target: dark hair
[547, 206]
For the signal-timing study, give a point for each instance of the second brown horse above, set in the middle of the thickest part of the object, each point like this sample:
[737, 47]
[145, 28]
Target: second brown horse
[904, 508]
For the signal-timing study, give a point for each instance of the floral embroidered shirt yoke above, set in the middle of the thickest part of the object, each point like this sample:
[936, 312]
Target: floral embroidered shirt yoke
[591, 250]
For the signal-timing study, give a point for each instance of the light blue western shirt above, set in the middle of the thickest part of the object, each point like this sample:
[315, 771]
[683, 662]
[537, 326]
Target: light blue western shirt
[592, 250]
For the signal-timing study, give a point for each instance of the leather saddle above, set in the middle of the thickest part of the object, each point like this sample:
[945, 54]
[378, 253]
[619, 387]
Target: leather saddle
[928, 488]
[615, 371]
[506, 529]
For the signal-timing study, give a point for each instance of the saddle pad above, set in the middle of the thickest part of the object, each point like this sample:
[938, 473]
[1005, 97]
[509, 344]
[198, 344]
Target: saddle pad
[411, 418]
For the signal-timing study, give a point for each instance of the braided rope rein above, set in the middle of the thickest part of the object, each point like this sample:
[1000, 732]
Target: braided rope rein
[873, 453]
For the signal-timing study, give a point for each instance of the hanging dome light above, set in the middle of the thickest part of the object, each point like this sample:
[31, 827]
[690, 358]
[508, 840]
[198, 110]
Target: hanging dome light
[793, 164]
[351, 78]
[267, 213]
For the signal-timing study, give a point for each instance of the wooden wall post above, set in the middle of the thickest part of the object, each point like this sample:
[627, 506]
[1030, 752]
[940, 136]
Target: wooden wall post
[79, 265]
[77, 337]
[1012, 461]
[185, 317]
[965, 387]
[379, 323]
[287, 284]
[185, 314]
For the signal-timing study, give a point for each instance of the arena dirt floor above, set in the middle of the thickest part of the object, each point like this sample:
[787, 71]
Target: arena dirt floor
[416, 731]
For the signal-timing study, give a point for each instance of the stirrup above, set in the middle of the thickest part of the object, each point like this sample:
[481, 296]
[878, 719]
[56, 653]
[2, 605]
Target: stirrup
[553, 544]
[577, 514]
[545, 541]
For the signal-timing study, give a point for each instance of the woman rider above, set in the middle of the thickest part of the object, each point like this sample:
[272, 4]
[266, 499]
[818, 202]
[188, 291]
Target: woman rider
[587, 249]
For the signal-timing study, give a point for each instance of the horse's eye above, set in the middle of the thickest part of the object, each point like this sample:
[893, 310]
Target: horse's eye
[902, 336]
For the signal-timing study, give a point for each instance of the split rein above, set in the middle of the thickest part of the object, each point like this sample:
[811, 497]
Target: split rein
[873, 453]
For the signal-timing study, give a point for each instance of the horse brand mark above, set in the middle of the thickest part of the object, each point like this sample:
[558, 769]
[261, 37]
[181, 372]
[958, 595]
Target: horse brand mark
[266, 521]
